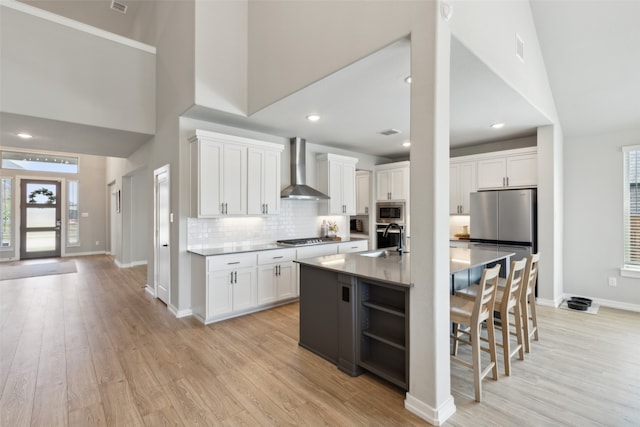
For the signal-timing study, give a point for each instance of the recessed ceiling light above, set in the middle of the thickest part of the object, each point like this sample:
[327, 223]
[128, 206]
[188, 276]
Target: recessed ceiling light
[25, 135]
[313, 117]
[406, 144]
[497, 125]
[407, 80]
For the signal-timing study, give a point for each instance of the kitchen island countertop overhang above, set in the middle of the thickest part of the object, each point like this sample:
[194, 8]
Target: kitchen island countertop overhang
[395, 269]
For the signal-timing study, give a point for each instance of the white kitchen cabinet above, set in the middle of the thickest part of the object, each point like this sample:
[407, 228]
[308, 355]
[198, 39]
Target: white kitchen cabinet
[316, 250]
[353, 246]
[220, 174]
[392, 181]
[522, 170]
[231, 284]
[462, 182]
[508, 170]
[276, 276]
[363, 198]
[263, 192]
[337, 179]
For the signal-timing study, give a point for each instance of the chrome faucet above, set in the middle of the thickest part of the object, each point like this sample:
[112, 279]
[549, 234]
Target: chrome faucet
[386, 231]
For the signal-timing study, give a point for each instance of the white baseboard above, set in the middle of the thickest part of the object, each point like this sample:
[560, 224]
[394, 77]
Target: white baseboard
[550, 302]
[67, 255]
[129, 264]
[150, 290]
[602, 302]
[179, 313]
[609, 303]
[435, 416]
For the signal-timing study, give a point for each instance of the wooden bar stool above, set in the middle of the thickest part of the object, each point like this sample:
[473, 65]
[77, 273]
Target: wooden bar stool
[473, 314]
[508, 303]
[528, 302]
[508, 299]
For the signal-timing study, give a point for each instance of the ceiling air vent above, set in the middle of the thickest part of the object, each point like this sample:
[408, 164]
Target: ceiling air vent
[118, 7]
[390, 132]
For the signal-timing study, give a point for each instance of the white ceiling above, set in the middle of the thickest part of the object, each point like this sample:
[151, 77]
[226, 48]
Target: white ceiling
[369, 96]
[591, 54]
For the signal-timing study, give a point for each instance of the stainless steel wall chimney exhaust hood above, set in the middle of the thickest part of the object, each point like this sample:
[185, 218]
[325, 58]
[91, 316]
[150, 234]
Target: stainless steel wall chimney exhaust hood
[298, 190]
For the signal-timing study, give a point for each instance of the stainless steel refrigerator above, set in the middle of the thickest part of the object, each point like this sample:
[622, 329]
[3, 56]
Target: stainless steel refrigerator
[506, 219]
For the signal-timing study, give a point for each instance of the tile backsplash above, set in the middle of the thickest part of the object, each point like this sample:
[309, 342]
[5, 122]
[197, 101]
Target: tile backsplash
[297, 219]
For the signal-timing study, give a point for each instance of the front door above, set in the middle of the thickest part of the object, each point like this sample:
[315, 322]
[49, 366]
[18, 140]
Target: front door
[40, 220]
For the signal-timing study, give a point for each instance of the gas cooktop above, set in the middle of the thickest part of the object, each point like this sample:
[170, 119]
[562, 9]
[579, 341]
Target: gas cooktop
[301, 242]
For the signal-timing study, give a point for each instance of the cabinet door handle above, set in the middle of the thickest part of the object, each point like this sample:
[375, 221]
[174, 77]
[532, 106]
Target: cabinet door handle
[266, 208]
[504, 182]
[235, 277]
[231, 278]
[278, 270]
[507, 181]
[366, 209]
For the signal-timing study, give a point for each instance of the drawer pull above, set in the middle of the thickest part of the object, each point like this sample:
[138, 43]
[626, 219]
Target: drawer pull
[278, 257]
[232, 263]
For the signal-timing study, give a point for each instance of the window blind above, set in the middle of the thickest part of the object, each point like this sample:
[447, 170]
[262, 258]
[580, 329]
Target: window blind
[632, 206]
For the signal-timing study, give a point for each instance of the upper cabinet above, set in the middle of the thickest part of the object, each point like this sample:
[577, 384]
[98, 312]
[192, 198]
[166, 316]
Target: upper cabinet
[337, 179]
[392, 181]
[490, 171]
[462, 182]
[508, 169]
[263, 192]
[232, 175]
[363, 198]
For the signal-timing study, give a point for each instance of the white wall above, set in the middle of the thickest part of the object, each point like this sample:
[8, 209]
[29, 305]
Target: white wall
[293, 44]
[74, 76]
[593, 204]
[221, 55]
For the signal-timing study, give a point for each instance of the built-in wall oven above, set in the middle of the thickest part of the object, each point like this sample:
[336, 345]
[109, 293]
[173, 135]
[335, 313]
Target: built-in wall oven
[391, 239]
[388, 212]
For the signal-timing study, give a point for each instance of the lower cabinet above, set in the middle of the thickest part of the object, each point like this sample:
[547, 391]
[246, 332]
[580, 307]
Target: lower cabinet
[276, 276]
[231, 290]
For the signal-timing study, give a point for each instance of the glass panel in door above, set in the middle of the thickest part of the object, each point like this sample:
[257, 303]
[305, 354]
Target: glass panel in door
[40, 219]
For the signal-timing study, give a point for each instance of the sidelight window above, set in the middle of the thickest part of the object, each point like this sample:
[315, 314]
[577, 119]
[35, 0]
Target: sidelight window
[6, 209]
[73, 216]
[632, 208]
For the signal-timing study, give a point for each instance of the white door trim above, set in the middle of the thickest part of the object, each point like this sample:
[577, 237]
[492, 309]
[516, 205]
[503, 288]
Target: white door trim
[156, 242]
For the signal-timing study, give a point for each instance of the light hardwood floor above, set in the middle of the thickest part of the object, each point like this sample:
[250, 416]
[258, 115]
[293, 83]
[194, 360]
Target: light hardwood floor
[92, 348]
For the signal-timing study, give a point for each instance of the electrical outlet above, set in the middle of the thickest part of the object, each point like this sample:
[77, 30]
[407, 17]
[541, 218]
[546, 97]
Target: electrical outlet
[612, 281]
[97, 242]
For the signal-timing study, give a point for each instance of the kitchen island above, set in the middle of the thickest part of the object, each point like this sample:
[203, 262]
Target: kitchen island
[354, 308]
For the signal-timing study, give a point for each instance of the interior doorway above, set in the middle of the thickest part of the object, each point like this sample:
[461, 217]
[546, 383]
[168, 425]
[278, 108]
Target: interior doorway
[40, 218]
[162, 232]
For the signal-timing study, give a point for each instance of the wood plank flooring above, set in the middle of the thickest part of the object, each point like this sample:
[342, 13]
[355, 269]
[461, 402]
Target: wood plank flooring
[92, 348]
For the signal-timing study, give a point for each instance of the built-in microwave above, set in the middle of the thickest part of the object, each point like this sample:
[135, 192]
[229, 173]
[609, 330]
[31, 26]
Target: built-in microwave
[388, 212]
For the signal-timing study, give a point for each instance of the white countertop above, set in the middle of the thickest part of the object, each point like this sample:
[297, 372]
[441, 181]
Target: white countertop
[396, 269]
[258, 247]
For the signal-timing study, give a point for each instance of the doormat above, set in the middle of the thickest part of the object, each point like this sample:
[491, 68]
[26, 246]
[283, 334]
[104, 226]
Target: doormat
[22, 270]
[591, 310]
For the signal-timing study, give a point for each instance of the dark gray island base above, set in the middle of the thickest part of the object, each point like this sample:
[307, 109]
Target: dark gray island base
[355, 322]
[354, 308]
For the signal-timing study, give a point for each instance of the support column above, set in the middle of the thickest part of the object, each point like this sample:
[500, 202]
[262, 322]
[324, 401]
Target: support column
[429, 394]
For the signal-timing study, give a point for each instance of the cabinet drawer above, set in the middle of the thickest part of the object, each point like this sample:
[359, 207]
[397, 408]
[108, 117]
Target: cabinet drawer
[351, 247]
[278, 255]
[319, 250]
[231, 261]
